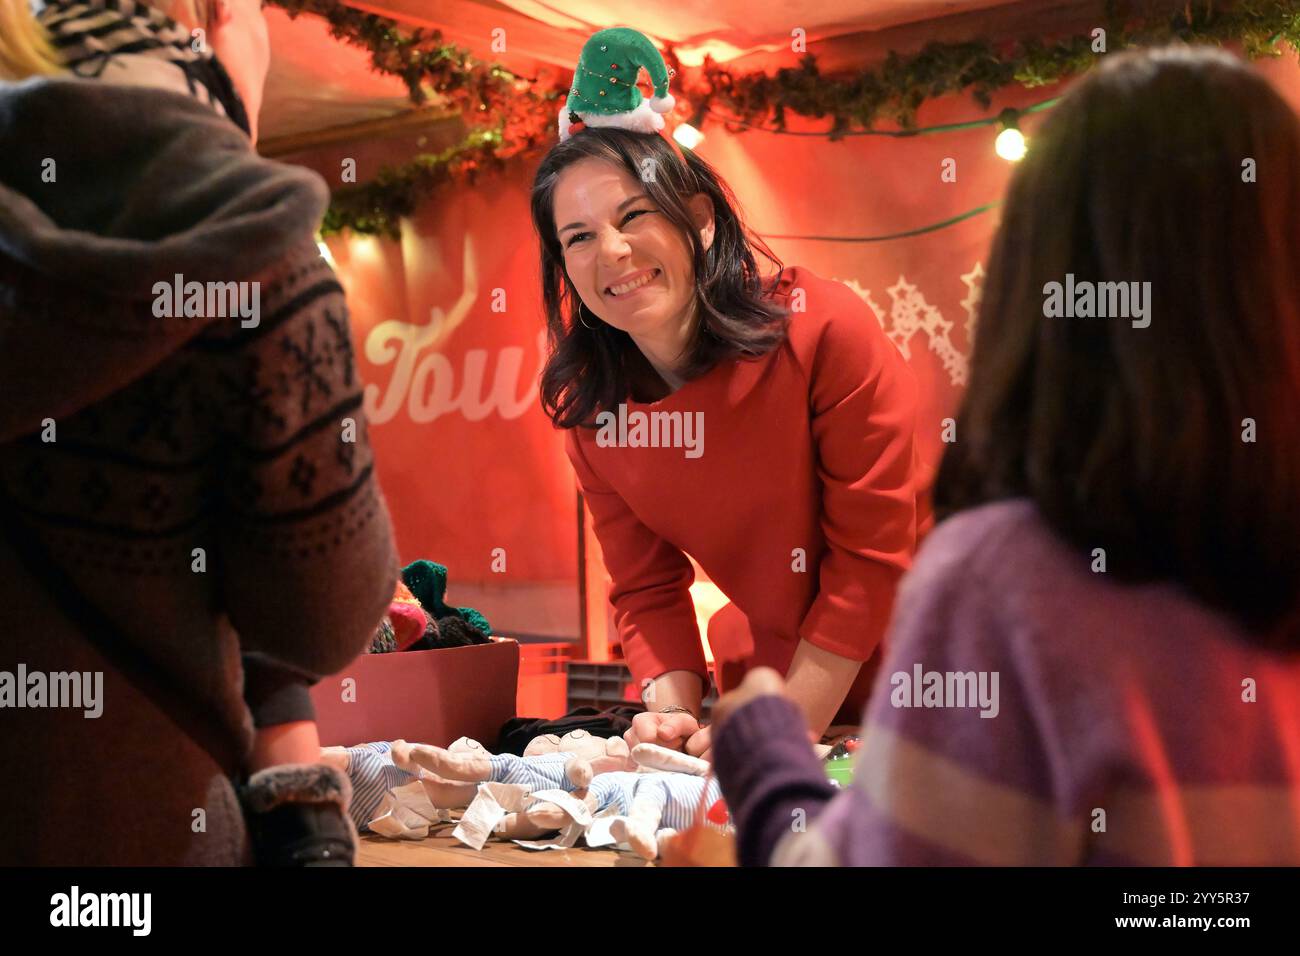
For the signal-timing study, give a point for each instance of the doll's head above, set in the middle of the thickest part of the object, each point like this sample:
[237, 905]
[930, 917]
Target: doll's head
[612, 752]
[467, 745]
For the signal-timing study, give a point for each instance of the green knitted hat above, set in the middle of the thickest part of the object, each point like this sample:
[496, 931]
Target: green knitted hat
[428, 582]
[604, 91]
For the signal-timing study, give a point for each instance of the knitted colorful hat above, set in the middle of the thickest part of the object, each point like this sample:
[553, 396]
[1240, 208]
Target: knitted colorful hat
[405, 623]
[604, 91]
[428, 582]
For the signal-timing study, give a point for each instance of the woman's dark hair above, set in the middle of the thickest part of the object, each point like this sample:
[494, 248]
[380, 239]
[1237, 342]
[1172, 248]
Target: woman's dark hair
[1175, 446]
[589, 370]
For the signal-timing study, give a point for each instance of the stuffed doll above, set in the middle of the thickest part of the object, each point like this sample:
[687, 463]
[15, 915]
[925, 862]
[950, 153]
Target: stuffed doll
[606, 753]
[647, 808]
[565, 763]
[661, 799]
[648, 805]
[373, 773]
[651, 806]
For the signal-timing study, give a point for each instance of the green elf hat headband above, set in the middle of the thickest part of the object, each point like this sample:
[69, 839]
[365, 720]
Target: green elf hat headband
[604, 91]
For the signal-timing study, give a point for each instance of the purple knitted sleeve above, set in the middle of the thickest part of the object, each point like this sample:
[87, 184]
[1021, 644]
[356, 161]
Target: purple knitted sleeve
[769, 774]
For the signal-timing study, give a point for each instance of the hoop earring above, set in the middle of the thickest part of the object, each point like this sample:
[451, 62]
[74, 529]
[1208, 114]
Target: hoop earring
[584, 321]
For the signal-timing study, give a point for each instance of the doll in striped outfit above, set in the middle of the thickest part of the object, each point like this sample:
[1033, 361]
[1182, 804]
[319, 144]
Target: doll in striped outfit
[566, 763]
[651, 806]
[373, 773]
[662, 798]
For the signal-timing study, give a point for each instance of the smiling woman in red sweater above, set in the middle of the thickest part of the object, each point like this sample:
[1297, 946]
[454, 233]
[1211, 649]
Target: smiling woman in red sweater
[762, 426]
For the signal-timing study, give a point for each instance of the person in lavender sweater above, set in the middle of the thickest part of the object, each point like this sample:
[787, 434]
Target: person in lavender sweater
[1096, 656]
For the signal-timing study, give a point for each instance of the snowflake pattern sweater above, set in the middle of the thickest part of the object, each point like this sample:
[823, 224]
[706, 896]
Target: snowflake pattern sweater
[207, 483]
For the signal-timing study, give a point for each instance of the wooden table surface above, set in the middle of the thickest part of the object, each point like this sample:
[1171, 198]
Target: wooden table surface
[440, 849]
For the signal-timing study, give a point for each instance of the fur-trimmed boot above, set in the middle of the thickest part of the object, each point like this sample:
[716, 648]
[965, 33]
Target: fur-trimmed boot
[297, 816]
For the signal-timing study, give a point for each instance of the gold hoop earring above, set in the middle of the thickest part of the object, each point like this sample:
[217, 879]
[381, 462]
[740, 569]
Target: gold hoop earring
[584, 321]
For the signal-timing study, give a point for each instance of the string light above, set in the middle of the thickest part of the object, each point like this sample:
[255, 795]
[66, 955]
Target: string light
[921, 230]
[1010, 144]
[689, 134]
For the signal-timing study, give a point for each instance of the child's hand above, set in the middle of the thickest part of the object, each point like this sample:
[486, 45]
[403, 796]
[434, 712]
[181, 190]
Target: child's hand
[760, 682]
[700, 743]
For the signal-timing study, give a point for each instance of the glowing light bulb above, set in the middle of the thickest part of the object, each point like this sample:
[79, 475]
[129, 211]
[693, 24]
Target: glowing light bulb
[687, 136]
[1010, 144]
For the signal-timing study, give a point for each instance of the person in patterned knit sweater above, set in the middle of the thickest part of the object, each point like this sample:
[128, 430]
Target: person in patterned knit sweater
[189, 500]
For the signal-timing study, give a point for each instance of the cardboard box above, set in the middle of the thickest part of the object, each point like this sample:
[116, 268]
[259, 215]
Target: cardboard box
[429, 697]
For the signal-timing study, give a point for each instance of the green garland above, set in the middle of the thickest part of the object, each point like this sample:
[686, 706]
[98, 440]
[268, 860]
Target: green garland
[895, 91]
[507, 115]
[418, 57]
[377, 207]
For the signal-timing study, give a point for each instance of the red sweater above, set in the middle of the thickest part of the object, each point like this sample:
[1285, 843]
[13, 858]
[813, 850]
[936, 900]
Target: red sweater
[808, 447]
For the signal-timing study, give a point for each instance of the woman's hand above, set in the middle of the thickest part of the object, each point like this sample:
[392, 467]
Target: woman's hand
[677, 695]
[674, 730]
[759, 682]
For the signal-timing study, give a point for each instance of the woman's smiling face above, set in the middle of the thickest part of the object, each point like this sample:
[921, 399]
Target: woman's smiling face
[630, 264]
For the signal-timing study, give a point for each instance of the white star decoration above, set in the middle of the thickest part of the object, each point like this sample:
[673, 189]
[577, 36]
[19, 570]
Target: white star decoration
[910, 313]
[975, 292]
